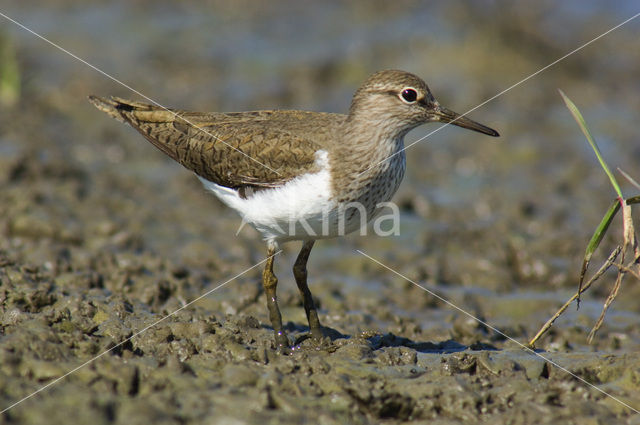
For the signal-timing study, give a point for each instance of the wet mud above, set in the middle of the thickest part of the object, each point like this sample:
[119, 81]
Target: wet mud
[104, 242]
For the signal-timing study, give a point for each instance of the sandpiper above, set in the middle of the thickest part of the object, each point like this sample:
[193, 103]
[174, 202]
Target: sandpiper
[291, 174]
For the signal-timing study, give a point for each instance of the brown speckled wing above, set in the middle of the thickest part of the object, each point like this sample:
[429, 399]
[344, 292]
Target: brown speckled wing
[260, 149]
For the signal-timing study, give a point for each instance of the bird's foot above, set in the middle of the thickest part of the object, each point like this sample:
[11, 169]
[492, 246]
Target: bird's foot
[318, 333]
[283, 345]
[318, 336]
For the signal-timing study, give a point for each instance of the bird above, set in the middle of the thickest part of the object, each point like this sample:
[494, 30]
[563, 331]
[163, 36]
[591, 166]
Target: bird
[297, 175]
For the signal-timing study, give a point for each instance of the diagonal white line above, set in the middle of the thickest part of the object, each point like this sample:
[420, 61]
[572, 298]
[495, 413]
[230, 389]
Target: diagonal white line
[95, 68]
[55, 381]
[507, 89]
[450, 304]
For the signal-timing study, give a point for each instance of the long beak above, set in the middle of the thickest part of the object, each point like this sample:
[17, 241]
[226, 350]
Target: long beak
[448, 116]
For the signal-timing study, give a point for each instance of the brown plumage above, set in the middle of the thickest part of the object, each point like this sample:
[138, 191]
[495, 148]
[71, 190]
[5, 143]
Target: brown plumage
[259, 148]
[301, 162]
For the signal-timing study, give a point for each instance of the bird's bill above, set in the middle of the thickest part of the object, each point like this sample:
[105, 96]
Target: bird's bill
[448, 116]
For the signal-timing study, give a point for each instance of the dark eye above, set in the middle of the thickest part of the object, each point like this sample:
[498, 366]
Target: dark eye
[409, 95]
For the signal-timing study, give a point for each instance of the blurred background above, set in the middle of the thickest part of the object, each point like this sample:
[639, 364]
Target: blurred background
[499, 226]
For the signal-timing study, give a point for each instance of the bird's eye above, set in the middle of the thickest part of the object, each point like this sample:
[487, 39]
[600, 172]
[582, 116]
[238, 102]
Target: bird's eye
[409, 95]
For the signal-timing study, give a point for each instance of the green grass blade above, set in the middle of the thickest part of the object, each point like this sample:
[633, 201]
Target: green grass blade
[583, 126]
[597, 238]
[9, 73]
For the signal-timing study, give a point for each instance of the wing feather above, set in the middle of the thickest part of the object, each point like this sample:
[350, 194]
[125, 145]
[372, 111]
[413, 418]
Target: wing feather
[259, 149]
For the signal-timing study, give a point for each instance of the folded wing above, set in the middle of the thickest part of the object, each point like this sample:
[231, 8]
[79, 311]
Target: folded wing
[256, 149]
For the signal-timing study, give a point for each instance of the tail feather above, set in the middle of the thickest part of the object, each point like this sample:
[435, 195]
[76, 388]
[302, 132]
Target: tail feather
[154, 123]
[109, 105]
[115, 106]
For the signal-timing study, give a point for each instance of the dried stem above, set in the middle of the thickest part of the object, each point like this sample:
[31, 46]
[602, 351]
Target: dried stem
[610, 261]
[629, 240]
[628, 268]
[612, 296]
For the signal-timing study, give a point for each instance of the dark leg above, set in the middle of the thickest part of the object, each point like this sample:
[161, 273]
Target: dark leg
[300, 273]
[270, 282]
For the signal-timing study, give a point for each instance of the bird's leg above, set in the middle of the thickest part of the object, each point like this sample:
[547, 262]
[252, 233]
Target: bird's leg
[270, 283]
[300, 273]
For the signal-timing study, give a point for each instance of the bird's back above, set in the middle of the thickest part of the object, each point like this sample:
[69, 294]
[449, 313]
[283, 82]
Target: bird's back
[237, 149]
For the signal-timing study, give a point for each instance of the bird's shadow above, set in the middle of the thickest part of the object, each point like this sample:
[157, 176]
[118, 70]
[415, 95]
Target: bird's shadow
[389, 339]
[444, 347]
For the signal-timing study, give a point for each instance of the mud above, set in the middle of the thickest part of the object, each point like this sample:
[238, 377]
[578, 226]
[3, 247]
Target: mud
[103, 242]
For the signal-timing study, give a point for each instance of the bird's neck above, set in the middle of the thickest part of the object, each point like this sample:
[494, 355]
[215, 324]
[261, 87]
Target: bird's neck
[366, 141]
[368, 154]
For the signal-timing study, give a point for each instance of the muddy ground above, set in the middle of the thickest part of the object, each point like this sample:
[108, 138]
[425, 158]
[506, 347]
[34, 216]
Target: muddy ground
[102, 239]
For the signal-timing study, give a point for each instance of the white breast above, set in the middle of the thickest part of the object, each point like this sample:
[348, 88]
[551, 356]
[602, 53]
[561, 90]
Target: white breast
[294, 211]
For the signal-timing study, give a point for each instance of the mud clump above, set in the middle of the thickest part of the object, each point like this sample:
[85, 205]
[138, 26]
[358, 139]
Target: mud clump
[200, 364]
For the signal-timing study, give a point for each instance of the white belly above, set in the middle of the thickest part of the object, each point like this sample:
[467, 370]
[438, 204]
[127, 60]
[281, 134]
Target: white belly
[301, 209]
